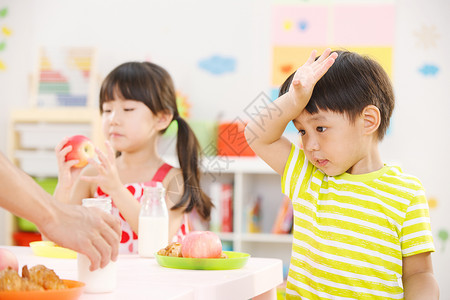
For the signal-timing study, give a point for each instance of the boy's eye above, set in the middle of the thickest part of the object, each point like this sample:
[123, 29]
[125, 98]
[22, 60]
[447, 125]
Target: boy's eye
[321, 129]
[301, 132]
[106, 110]
[128, 109]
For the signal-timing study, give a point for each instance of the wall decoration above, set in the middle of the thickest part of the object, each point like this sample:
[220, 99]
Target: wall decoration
[443, 237]
[183, 105]
[218, 65]
[64, 76]
[286, 60]
[5, 33]
[298, 28]
[427, 36]
[432, 202]
[429, 70]
[3, 12]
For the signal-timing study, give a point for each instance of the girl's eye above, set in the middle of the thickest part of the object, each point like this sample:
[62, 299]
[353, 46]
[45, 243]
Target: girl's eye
[128, 109]
[321, 129]
[105, 111]
[301, 132]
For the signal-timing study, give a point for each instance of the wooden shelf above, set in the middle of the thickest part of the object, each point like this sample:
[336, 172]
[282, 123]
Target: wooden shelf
[56, 115]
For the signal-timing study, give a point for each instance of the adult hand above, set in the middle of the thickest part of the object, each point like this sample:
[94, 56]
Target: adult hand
[89, 231]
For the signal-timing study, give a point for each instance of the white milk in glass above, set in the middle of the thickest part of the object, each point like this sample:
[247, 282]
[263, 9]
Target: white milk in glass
[153, 235]
[99, 281]
[102, 280]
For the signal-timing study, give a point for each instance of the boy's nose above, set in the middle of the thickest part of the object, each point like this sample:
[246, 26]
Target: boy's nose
[310, 144]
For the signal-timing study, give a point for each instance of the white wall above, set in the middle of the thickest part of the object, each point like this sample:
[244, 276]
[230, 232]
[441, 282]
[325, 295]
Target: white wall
[177, 34]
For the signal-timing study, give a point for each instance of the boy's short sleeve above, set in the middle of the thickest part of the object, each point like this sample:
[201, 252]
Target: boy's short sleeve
[416, 234]
[292, 169]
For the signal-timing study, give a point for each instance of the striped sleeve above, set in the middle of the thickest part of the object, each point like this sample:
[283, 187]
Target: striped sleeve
[290, 176]
[416, 234]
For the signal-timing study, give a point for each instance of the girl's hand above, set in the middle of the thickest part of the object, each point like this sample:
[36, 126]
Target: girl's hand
[67, 175]
[306, 76]
[108, 177]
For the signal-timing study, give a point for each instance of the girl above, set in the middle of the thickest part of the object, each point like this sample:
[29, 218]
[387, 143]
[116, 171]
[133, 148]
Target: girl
[137, 104]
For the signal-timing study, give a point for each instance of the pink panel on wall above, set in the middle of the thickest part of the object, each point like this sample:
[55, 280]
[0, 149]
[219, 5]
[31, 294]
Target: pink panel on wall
[370, 25]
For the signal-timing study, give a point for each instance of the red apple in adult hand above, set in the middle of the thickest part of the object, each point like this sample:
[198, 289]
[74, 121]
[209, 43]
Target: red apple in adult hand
[201, 244]
[8, 259]
[82, 150]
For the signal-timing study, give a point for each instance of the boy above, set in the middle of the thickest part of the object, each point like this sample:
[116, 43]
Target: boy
[361, 228]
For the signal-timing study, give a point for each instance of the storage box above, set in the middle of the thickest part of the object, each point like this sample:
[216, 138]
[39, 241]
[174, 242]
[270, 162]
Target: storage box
[231, 140]
[48, 135]
[25, 238]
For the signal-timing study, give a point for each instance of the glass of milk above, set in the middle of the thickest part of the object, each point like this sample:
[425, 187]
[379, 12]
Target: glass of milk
[102, 280]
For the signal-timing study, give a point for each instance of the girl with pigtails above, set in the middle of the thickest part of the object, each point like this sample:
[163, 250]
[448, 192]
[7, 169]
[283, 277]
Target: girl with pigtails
[137, 104]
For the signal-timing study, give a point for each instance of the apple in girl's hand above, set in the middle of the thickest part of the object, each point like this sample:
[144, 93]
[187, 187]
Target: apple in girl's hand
[82, 150]
[8, 259]
[201, 244]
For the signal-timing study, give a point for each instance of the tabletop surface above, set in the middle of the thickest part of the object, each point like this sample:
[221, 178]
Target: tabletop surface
[143, 278]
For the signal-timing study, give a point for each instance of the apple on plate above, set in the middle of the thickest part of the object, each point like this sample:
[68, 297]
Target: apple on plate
[82, 150]
[8, 259]
[201, 244]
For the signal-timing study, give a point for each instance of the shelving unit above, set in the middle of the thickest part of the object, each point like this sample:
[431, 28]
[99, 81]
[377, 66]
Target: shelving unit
[251, 176]
[28, 126]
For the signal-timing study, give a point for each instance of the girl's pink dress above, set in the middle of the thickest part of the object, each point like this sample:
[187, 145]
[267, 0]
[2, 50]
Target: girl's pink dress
[128, 243]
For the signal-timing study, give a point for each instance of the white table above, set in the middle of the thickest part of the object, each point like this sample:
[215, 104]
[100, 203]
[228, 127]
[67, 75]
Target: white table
[143, 278]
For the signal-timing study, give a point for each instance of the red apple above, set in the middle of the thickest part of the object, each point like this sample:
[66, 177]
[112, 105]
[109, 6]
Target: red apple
[201, 244]
[82, 150]
[8, 259]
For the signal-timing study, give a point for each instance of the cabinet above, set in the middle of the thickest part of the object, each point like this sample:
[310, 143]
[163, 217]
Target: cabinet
[33, 134]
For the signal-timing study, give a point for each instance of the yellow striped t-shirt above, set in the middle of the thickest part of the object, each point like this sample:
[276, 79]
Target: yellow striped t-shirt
[351, 231]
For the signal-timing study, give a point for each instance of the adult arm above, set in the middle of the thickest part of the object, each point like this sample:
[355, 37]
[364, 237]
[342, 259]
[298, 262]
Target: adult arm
[92, 232]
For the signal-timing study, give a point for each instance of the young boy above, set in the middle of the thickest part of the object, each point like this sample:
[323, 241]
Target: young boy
[361, 228]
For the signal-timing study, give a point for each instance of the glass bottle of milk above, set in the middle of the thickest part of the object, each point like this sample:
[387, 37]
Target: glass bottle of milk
[102, 280]
[153, 220]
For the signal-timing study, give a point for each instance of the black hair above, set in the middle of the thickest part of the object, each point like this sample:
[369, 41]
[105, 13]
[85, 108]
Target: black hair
[152, 85]
[352, 83]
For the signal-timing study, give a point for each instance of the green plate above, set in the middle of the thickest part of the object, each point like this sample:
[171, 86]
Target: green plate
[235, 260]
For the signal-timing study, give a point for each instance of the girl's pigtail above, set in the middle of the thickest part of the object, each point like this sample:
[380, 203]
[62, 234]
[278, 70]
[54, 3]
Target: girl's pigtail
[188, 149]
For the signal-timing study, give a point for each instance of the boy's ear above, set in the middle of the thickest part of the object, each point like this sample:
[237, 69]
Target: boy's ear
[163, 120]
[372, 119]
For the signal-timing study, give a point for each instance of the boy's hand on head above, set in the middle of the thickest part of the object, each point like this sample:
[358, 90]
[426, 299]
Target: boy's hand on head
[306, 76]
